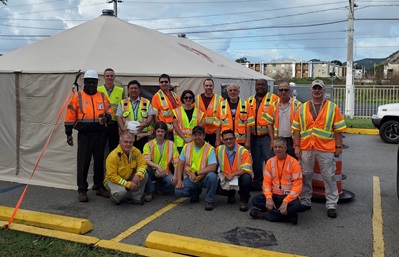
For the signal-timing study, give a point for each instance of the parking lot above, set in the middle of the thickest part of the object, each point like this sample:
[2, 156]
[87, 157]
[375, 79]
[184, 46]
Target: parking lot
[368, 164]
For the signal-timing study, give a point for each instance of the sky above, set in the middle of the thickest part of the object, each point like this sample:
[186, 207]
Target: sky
[259, 30]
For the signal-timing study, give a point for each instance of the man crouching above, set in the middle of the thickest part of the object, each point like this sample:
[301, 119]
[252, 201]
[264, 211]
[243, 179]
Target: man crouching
[126, 174]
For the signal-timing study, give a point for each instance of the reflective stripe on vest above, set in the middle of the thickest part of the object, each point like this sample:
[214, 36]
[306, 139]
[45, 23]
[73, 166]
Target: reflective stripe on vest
[239, 124]
[274, 173]
[223, 158]
[142, 114]
[326, 132]
[90, 119]
[186, 127]
[156, 157]
[209, 120]
[115, 97]
[196, 161]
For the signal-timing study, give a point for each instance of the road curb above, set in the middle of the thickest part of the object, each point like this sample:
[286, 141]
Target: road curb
[362, 131]
[200, 247]
[47, 220]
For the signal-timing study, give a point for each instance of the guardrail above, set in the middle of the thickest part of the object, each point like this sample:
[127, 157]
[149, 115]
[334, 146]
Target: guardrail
[367, 98]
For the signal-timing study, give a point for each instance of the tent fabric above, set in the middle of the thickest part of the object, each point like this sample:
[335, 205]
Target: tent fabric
[37, 79]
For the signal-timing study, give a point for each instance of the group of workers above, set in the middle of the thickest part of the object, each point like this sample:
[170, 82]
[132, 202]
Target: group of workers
[181, 145]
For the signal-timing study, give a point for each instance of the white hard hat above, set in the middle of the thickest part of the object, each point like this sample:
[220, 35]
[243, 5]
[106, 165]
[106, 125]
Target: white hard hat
[91, 74]
[131, 125]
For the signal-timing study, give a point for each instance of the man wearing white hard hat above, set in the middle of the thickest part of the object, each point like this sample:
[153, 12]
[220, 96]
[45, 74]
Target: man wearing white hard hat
[88, 112]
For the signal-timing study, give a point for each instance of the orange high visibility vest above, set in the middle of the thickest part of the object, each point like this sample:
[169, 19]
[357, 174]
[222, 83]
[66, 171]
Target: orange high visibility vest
[259, 127]
[288, 177]
[242, 160]
[210, 112]
[243, 118]
[273, 113]
[163, 107]
[84, 108]
[319, 133]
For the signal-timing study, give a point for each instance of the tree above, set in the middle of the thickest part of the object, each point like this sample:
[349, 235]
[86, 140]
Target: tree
[339, 63]
[242, 60]
[4, 1]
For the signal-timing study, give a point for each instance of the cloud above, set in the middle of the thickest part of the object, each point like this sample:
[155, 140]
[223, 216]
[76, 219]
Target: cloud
[260, 30]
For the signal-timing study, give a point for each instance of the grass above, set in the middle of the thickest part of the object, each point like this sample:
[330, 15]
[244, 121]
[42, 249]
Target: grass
[359, 123]
[19, 244]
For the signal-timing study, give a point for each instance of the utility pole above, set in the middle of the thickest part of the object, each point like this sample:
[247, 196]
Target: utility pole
[350, 87]
[115, 6]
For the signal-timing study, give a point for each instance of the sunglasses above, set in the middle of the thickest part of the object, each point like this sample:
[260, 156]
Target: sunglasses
[283, 90]
[164, 82]
[188, 98]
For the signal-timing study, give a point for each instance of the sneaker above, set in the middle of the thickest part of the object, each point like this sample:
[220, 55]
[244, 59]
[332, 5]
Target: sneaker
[103, 192]
[243, 207]
[258, 214]
[332, 213]
[83, 197]
[304, 208]
[209, 207]
[135, 202]
[148, 197]
[231, 199]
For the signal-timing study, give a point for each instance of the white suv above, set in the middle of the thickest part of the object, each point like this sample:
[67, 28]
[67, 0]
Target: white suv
[387, 116]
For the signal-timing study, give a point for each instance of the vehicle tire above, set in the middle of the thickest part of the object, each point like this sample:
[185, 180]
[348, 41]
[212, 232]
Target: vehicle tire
[387, 132]
[397, 175]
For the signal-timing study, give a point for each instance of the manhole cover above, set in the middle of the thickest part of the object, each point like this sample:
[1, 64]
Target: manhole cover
[251, 237]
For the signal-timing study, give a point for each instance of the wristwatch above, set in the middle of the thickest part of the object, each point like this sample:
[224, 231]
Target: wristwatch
[196, 174]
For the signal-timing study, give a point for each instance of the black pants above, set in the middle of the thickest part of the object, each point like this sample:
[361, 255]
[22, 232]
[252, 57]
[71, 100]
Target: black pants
[293, 207]
[90, 145]
[244, 182]
[211, 139]
[112, 135]
[139, 143]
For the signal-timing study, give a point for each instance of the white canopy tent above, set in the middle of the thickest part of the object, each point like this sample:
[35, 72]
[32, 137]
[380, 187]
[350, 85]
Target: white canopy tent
[36, 80]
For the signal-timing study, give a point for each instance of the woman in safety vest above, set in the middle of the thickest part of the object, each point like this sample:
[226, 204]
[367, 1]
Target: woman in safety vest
[186, 117]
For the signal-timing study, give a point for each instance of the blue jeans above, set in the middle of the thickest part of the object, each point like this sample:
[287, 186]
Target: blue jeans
[259, 201]
[210, 182]
[164, 184]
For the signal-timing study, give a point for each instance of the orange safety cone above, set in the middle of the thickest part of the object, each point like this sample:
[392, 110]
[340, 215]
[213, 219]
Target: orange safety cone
[318, 193]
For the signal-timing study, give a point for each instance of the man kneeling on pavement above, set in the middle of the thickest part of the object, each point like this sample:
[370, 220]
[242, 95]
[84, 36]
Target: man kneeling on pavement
[282, 185]
[126, 175]
[235, 170]
[198, 162]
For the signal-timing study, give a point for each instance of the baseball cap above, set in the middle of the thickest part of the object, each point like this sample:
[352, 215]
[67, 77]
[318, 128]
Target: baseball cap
[198, 129]
[318, 82]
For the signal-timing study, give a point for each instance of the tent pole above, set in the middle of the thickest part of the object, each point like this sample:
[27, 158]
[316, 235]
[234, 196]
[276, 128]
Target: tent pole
[18, 120]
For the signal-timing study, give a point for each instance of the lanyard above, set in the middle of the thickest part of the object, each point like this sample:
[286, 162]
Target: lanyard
[280, 173]
[134, 107]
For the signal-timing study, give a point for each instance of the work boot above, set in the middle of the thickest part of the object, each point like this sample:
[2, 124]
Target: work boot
[243, 207]
[95, 187]
[148, 197]
[195, 197]
[332, 213]
[231, 198]
[103, 192]
[258, 214]
[209, 207]
[83, 197]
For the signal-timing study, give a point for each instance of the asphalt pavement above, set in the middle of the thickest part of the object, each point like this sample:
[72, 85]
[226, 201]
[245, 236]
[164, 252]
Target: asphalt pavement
[366, 159]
